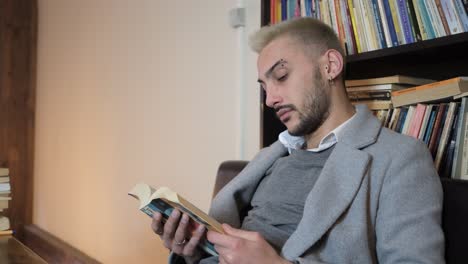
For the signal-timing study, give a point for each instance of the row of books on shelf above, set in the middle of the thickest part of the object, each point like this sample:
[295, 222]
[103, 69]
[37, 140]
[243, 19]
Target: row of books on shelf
[365, 25]
[434, 112]
[5, 197]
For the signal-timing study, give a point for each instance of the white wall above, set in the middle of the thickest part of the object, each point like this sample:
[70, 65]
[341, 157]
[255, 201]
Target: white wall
[131, 91]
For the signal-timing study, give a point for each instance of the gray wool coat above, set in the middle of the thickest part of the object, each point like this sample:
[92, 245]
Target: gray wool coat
[377, 200]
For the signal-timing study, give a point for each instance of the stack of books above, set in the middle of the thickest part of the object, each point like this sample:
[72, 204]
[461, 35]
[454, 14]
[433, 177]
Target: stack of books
[5, 197]
[436, 114]
[376, 93]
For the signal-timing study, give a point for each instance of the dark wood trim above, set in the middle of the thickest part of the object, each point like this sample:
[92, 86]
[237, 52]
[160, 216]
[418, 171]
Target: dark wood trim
[51, 248]
[18, 38]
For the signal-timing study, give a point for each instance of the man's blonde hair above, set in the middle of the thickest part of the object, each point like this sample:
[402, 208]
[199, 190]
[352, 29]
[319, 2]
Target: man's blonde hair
[315, 36]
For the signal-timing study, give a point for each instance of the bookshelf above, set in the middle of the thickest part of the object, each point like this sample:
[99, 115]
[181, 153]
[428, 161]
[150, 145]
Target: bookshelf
[18, 29]
[438, 59]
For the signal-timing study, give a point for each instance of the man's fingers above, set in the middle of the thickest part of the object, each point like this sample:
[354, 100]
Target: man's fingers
[221, 240]
[190, 247]
[181, 232]
[249, 235]
[157, 224]
[171, 225]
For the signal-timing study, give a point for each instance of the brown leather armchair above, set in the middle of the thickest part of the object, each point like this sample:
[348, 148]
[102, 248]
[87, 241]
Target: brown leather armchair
[454, 217]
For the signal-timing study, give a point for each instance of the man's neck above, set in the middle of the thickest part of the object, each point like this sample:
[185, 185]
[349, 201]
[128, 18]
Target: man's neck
[335, 119]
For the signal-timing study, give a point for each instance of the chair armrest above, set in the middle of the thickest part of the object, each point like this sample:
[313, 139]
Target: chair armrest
[226, 172]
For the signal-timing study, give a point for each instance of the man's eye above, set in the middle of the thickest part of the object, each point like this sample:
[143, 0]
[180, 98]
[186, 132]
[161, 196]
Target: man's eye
[283, 78]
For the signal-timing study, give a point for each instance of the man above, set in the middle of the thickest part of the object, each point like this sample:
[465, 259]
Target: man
[336, 187]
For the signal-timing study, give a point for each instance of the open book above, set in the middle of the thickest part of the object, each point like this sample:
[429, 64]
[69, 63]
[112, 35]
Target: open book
[164, 200]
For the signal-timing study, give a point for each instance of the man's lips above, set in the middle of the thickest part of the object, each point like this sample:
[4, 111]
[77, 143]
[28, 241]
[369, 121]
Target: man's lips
[283, 113]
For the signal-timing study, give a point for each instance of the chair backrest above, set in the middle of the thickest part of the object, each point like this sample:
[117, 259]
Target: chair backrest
[454, 216]
[455, 220]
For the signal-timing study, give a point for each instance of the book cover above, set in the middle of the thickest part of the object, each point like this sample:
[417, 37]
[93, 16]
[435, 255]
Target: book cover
[395, 79]
[164, 200]
[430, 92]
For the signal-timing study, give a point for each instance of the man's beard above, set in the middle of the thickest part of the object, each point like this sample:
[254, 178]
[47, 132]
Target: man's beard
[315, 109]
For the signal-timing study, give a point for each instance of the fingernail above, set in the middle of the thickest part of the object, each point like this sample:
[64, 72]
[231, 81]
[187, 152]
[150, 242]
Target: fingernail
[185, 219]
[175, 214]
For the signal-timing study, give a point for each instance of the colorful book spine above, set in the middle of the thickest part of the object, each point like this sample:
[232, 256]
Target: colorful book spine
[427, 22]
[383, 18]
[449, 11]
[462, 15]
[390, 23]
[442, 16]
[405, 23]
[378, 24]
[422, 26]
[413, 20]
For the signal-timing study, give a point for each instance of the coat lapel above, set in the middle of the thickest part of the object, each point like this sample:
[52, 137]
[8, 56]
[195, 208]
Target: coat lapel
[333, 192]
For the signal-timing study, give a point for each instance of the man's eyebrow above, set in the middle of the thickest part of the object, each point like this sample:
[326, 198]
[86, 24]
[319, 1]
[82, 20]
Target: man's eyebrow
[271, 69]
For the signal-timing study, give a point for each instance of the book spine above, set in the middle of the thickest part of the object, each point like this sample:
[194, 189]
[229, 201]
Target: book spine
[302, 8]
[445, 134]
[462, 15]
[396, 21]
[350, 27]
[425, 122]
[426, 21]
[422, 27]
[360, 25]
[452, 21]
[441, 13]
[390, 23]
[459, 145]
[435, 137]
[385, 27]
[379, 24]
[413, 20]
[435, 18]
[404, 18]
[284, 10]
[354, 21]
[464, 159]
[430, 126]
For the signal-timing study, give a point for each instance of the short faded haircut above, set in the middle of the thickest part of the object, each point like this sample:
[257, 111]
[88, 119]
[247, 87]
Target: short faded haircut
[315, 36]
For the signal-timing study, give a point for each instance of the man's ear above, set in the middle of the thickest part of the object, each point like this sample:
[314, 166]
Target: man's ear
[334, 64]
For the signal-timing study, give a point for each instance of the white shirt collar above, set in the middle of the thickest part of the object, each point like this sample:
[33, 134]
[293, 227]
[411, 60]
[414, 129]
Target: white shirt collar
[296, 142]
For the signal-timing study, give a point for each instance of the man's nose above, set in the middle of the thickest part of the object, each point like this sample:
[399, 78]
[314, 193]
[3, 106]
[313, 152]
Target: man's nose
[272, 97]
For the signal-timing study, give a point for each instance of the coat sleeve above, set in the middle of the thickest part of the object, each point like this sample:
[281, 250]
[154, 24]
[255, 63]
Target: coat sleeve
[408, 221]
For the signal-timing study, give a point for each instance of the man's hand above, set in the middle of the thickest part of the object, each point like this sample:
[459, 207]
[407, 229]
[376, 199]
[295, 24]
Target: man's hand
[243, 247]
[174, 235]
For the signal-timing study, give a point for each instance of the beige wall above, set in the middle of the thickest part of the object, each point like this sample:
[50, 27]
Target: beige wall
[133, 91]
